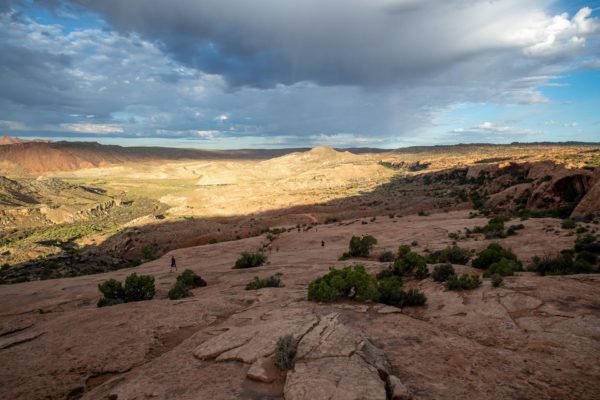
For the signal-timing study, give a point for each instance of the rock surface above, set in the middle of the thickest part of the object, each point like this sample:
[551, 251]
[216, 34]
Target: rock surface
[536, 337]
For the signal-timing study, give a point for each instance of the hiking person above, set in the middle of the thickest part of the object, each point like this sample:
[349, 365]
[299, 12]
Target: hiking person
[173, 264]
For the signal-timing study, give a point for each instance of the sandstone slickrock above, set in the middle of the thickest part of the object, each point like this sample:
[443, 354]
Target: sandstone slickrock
[337, 362]
[251, 342]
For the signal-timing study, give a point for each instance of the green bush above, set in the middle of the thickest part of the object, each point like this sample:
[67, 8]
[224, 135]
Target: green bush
[504, 267]
[497, 280]
[149, 251]
[360, 246]
[421, 272]
[442, 272]
[587, 243]
[353, 282]
[191, 279]
[136, 288]
[111, 289]
[285, 352]
[407, 261]
[250, 260]
[464, 282]
[568, 224]
[563, 264]
[414, 298]
[386, 256]
[451, 254]
[494, 253]
[185, 282]
[385, 273]
[390, 291]
[272, 281]
[512, 230]
[139, 287]
[179, 291]
[493, 229]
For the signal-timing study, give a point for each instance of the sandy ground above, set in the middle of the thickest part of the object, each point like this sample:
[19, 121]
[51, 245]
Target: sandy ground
[535, 338]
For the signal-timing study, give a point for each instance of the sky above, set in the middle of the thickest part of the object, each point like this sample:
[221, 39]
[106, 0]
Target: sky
[300, 73]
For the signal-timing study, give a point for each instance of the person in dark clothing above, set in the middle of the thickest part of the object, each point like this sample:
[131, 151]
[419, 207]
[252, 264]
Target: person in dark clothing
[173, 264]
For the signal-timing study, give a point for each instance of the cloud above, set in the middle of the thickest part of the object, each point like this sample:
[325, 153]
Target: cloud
[92, 128]
[340, 42]
[495, 132]
[295, 73]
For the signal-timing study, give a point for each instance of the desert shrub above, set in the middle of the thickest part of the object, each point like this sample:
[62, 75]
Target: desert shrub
[179, 291]
[136, 288]
[422, 213]
[191, 279]
[421, 272]
[414, 298]
[391, 293]
[512, 230]
[442, 272]
[454, 236]
[185, 282]
[360, 246]
[504, 267]
[463, 282]
[139, 287]
[111, 289]
[586, 256]
[494, 253]
[564, 264]
[285, 352]
[497, 280]
[386, 256]
[568, 224]
[493, 229]
[272, 281]
[451, 254]
[353, 282]
[390, 290]
[587, 243]
[385, 273]
[149, 251]
[407, 261]
[250, 260]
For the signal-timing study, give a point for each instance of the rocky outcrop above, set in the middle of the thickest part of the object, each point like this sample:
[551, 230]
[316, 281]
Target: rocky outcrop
[333, 361]
[337, 362]
[252, 342]
[590, 203]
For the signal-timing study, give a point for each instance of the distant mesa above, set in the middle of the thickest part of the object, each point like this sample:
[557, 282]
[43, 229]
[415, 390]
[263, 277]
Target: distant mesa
[10, 140]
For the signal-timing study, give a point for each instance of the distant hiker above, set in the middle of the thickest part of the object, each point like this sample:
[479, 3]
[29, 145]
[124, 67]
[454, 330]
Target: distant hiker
[322, 243]
[173, 264]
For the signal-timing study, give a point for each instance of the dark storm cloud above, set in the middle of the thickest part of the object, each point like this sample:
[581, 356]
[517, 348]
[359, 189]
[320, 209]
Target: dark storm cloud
[379, 42]
[335, 71]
